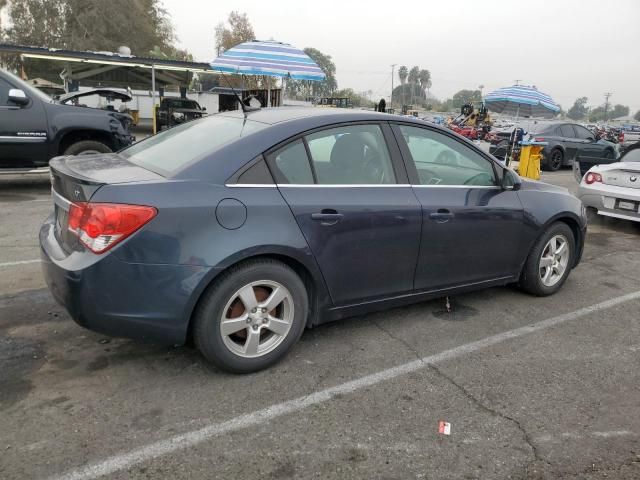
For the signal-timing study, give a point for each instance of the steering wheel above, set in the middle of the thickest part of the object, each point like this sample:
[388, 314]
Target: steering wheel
[478, 176]
[446, 157]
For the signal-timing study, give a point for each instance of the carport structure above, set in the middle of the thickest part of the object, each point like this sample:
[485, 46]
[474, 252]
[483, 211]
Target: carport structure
[116, 69]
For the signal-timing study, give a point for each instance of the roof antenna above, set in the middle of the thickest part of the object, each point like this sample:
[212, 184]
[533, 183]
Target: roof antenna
[245, 109]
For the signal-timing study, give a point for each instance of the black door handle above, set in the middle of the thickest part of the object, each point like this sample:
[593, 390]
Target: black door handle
[327, 216]
[442, 215]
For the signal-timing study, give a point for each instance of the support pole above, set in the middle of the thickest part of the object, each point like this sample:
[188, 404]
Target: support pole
[153, 98]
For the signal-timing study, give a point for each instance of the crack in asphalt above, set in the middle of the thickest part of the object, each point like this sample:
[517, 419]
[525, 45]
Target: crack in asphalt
[537, 457]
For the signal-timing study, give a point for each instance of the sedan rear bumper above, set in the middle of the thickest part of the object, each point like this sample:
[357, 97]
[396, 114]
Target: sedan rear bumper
[107, 295]
[605, 199]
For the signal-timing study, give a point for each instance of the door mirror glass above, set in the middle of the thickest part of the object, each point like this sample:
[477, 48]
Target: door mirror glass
[18, 96]
[510, 180]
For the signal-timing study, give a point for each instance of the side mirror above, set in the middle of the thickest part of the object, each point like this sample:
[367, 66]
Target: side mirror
[510, 180]
[204, 109]
[18, 97]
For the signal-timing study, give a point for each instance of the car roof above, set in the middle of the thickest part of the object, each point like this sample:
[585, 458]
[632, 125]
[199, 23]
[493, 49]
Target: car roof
[272, 116]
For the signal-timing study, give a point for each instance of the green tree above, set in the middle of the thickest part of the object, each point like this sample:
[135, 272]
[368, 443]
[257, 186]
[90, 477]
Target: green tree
[414, 77]
[579, 109]
[304, 88]
[465, 96]
[598, 114]
[425, 79]
[237, 30]
[619, 111]
[636, 116]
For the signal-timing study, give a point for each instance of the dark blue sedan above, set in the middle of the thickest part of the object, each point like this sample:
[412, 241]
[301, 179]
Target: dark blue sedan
[239, 232]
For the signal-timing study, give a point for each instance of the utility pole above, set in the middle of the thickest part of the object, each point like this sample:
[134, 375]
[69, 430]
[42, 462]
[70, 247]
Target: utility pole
[517, 81]
[606, 105]
[393, 68]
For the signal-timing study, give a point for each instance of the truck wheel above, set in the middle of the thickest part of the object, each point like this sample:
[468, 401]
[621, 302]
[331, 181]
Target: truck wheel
[86, 147]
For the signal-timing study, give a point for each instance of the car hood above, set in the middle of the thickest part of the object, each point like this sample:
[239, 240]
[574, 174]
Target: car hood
[113, 93]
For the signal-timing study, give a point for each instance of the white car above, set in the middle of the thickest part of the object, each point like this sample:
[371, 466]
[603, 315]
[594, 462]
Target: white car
[613, 189]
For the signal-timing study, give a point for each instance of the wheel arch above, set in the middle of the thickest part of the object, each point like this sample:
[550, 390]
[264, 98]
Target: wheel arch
[70, 137]
[305, 268]
[574, 224]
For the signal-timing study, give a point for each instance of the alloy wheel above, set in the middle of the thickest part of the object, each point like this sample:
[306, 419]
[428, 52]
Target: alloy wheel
[554, 260]
[257, 318]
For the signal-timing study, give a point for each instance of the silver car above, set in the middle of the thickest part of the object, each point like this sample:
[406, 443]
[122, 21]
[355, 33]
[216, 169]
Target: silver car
[613, 189]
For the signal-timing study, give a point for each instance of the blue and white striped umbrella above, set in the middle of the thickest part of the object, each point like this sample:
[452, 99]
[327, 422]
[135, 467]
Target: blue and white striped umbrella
[521, 100]
[274, 59]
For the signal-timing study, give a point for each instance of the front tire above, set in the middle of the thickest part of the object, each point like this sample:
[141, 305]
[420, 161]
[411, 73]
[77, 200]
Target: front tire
[549, 262]
[87, 147]
[251, 317]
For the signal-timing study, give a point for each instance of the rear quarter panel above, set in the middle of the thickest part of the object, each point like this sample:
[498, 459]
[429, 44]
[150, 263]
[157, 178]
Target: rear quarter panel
[187, 231]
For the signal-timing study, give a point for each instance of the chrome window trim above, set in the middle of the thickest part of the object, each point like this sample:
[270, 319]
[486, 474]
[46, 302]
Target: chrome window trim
[250, 185]
[346, 185]
[485, 187]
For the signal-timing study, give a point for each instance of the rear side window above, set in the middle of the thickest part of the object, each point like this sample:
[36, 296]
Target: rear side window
[291, 164]
[352, 155]
[567, 131]
[168, 151]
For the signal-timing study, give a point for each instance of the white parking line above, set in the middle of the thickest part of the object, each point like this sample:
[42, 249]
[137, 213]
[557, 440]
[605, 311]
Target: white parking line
[19, 262]
[190, 439]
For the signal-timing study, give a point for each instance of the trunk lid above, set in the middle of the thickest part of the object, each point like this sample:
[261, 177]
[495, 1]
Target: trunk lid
[622, 174]
[77, 178]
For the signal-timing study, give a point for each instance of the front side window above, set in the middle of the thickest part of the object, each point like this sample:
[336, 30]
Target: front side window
[583, 133]
[351, 155]
[443, 160]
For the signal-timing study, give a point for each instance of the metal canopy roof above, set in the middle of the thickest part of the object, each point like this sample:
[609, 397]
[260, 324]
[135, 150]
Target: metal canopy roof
[106, 58]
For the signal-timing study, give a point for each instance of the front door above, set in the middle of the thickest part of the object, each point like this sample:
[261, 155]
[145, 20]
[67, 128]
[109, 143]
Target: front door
[472, 228]
[23, 131]
[361, 223]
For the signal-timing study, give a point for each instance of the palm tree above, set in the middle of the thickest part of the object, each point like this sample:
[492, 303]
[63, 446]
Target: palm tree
[414, 76]
[425, 80]
[403, 72]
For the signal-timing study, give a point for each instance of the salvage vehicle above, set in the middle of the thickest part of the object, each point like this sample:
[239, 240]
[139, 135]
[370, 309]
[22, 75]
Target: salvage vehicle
[35, 128]
[612, 189]
[566, 141]
[174, 111]
[108, 94]
[240, 229]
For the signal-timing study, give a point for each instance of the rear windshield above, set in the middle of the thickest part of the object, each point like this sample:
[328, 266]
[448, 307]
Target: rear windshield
[169, 151]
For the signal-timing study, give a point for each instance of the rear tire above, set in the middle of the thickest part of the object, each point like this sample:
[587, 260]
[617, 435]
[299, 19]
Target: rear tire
[545, 272]
[86, 147]
[556, 157]
[244, 305]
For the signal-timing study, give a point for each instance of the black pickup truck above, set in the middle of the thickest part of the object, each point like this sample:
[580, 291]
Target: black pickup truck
[34, 128]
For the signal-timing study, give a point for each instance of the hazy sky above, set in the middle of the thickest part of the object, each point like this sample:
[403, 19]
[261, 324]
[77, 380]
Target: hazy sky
[567, 48]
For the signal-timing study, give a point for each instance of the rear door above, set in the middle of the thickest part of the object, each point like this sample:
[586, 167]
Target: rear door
[471, 228]
[23, 131]
[349, 193]
[569, 141]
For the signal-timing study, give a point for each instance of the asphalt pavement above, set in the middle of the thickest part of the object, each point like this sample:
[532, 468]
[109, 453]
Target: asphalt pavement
[533, 388]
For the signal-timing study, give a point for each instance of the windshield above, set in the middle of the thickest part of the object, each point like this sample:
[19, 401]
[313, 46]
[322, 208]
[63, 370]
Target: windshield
[631, 156]
[28, 89]
[171, 150]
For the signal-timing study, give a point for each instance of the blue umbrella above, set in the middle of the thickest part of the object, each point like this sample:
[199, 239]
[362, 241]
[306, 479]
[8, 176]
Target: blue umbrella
[521, 100]
[274, 59]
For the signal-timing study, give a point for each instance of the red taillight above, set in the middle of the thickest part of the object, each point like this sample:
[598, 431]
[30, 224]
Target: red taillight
[593, 178]
[621, 137]
[100, 226]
